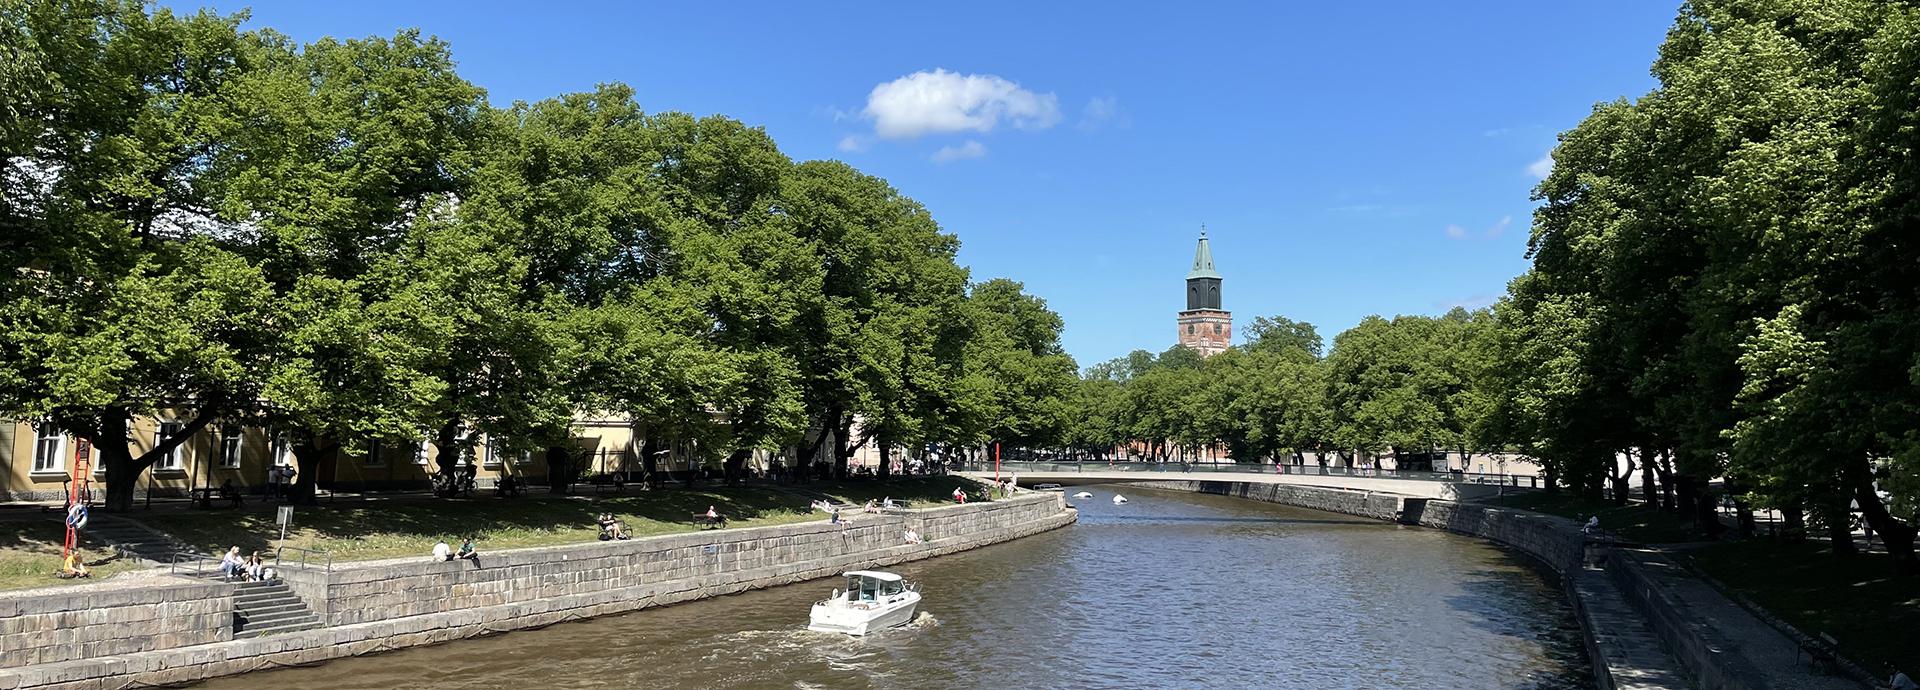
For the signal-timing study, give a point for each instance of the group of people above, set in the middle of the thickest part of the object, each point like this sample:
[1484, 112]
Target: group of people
[468, 552]
[279, 477]
[251, 568]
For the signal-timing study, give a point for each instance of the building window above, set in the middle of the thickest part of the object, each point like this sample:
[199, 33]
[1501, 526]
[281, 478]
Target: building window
[496, 451]
[49, 449]
[1189, 329]
[374, 457]
[282, 450]
[167, 430]
[1216, 329]
[232, 440]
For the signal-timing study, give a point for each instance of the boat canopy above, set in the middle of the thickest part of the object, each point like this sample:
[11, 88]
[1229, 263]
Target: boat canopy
[875, 574]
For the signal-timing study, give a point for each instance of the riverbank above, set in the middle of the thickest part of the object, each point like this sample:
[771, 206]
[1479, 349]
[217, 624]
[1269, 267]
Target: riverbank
[380, 605]
[1648, 622]
[397, 528]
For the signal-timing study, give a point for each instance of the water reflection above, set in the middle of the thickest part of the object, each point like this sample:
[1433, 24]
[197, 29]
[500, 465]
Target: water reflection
[1171, 590]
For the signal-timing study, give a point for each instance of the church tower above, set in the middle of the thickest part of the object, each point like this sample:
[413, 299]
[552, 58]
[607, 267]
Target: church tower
[1204, 326]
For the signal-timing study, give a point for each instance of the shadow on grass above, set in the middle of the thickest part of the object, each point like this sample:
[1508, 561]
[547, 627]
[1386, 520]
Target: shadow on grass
[1856, 599]
[1634, 521]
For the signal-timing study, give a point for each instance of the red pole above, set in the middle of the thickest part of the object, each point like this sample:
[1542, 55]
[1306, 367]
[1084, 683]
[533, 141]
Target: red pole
[996, 462]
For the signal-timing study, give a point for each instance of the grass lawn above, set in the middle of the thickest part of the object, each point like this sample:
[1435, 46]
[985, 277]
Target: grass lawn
[1857, 600]
[1633, 521]
[30, 555]
[366, 530]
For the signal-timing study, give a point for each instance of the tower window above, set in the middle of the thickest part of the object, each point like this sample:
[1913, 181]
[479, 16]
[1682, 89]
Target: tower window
[1216, 329]
[1189, 329]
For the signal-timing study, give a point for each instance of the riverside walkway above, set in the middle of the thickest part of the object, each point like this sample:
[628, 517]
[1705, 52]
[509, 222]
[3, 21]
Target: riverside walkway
[1417, 484]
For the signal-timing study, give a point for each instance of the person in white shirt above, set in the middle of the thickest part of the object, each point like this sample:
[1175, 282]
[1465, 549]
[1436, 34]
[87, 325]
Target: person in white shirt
[442, 552]
[912, 537]
[232, 565]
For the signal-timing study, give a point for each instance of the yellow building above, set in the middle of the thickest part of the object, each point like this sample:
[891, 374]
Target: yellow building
[36, 463]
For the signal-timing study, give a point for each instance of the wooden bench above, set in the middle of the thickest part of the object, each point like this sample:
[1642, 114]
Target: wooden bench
[701, 520]
[204, 497]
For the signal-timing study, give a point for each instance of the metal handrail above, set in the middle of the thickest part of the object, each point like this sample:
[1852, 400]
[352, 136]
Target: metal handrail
[279, 556]
[199, 562]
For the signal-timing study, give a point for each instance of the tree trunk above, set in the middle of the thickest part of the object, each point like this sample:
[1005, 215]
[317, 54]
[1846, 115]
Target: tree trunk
[307, 456]
[444, 439]
[737, 465]
[1839, 522]
[123, 469]
[1793, 521]
[1897, 534]
[842, 443]
[563, 469]
[1621, 481]
[1669, 501]
[1649, 489]
[886, 457]
[650, 460]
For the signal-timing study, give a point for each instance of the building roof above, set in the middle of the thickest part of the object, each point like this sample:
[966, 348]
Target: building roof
[1203, 261]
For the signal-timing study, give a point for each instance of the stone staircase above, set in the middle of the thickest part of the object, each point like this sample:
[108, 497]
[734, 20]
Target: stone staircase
[134, 540]
[265, 608]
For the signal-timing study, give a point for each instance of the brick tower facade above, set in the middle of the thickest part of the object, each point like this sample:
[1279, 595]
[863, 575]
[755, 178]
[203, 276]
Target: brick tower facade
[1204, 326]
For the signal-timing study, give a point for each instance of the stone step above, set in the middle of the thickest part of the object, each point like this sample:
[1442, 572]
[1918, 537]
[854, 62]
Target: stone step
[251, 621]
[268, 606]
[307, 623]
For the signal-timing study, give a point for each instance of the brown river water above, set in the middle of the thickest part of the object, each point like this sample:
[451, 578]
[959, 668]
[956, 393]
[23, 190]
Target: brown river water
[1170, 590]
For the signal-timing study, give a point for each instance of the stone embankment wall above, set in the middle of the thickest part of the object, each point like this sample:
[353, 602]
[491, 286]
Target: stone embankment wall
[107, 619]
[1626, 651]
[383, 605]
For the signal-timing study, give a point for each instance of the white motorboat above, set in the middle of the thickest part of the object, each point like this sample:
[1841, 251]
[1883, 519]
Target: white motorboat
[1119, 499]
[1083, 494]
[874, 600]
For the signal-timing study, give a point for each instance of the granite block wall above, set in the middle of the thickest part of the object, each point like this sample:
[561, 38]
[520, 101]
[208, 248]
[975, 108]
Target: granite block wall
[111, 618]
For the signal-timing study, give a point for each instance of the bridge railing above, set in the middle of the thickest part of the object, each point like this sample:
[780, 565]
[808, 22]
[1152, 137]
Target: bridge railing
[1176, 467]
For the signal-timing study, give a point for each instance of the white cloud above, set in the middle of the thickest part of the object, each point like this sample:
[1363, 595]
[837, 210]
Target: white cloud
[971, 149]
[1499, 228]
[1540, 168]
[853, 143]
[1456, 232]
[1102, 112]
[941, 101]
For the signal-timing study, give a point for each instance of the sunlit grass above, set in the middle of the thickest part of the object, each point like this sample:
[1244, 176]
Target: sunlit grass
[401, 528]
[30, 555]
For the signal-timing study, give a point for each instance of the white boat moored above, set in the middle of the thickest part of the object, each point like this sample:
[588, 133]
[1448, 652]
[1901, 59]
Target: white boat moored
[1084, 494]
[1119, 499]
[873, 600]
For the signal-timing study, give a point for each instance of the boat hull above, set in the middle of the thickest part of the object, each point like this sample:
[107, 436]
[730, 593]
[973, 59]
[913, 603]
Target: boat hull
[857, 621]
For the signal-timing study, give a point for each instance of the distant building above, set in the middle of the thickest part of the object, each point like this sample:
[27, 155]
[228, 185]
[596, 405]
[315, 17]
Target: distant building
[1204, 326]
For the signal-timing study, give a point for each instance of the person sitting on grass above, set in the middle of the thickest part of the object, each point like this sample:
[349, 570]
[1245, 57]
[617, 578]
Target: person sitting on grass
[611, 528]
[871, 507]
[74, 568]
[959, 495]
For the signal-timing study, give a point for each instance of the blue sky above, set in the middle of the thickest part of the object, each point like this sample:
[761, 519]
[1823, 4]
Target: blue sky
[1347, 158]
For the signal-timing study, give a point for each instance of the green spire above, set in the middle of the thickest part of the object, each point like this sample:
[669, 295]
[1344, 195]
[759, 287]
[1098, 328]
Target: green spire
[1203, 259]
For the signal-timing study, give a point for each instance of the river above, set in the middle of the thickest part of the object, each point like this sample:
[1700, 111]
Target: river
[1169, 590]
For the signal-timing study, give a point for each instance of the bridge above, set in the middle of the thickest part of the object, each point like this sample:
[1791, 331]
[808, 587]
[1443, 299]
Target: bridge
[1415, 483]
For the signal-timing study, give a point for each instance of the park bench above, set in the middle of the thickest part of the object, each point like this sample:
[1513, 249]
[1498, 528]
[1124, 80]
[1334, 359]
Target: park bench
[702, 521]
[204, 497]
[1821, 656]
